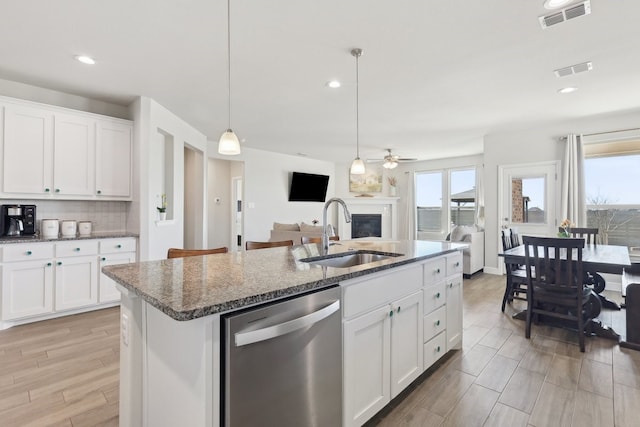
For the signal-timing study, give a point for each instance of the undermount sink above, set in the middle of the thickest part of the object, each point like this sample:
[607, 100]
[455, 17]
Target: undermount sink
[350, 259]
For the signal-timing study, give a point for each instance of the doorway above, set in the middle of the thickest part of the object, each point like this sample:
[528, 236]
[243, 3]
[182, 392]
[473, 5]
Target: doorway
[193, 222]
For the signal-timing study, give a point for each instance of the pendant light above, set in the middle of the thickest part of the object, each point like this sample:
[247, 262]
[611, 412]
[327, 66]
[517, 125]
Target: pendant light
[229, 144]
[357, 166]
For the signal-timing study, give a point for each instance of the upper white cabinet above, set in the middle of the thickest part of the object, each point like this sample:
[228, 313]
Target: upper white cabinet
[50, 152]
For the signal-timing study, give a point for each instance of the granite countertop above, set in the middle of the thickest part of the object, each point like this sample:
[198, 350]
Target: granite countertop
[39, 239]
[193, 287]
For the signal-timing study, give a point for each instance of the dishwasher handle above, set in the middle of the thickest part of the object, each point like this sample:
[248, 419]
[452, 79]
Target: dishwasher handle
[245, 338]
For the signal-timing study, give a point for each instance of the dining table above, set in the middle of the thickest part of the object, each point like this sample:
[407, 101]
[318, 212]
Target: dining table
[611, 259]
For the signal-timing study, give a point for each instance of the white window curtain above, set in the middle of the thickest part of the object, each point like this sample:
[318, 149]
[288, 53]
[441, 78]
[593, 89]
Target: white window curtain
[574, 206]
[410, 207]
[480, 196]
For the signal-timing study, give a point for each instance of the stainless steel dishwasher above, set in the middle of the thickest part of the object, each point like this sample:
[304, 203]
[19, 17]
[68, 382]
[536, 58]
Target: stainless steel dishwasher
[282, 363]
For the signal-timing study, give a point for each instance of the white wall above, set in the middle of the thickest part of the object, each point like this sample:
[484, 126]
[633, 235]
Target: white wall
[266, 189]
[219, 214]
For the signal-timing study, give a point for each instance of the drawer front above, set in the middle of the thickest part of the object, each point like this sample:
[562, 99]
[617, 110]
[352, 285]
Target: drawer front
[434, 323]
[26, 251]
[112, 246]
[454, 263]
[434, 270]
[368, 294]
[434, 349]
[76, 248]
[434, 296]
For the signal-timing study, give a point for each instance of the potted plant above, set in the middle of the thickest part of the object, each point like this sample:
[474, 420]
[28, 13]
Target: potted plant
[393, 181]
[162, 209]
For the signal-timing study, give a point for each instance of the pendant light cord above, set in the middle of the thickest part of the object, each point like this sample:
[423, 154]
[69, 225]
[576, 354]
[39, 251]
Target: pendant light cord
[229, 58]
[357, 108]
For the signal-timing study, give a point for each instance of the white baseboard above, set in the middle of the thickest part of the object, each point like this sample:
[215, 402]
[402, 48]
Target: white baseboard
[493, 270]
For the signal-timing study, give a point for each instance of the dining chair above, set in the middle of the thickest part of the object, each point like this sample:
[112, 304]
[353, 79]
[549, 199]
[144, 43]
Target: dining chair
[249, 245]
[181, 253]
[516, 282]
[556, 289]
[590, 235]
[306, 239]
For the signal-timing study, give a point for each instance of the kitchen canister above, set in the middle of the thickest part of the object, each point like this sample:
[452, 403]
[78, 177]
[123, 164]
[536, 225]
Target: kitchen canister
[49, 228]
[69, 228]
[84, 228]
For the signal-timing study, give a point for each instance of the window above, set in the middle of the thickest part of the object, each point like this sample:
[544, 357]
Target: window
[613, 199]
[527, 200]
[444, 198]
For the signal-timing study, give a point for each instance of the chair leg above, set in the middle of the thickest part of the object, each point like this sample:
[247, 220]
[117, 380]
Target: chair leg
[527, 330]
[581, 326]
[507, 293]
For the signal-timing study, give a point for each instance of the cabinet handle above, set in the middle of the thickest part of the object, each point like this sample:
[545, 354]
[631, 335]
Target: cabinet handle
[437, 271]
[457, 264]
[57, 190]
[48, 264]
[77, 249]
[391, 313]
[118, 246]
[438, 295]
[437, 323]
[59, 263]
[29, 252]
[438, 349]
[103, 259]
[450, 285]
[99, 191]
[398, 311]
[46, 190]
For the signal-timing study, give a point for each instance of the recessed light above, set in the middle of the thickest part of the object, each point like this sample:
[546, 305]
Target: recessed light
[333, 84]
[567, 90]
[554, 4]
[86, 59]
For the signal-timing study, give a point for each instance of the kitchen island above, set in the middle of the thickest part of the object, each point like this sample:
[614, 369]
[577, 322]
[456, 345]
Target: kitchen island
[170, 322]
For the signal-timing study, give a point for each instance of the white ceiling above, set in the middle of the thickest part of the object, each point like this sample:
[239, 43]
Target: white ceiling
[435, 76]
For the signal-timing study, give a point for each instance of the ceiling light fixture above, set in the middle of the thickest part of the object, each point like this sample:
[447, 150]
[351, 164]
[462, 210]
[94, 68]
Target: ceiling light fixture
[334, 84]
[565, 90]
[555, 4]
[357, 166]
[390, 163]
[86, 59]
[229, 144]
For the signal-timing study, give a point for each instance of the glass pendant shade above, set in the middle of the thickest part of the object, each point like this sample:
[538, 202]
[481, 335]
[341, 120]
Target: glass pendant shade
[357, 166]
[390, 164]
[229, 144]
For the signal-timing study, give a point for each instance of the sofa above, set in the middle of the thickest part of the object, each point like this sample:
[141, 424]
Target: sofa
[294, 232]
[472, 256]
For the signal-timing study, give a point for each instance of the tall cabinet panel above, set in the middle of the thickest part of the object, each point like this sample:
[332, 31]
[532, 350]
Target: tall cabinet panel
[28, 150]
[74, 155]
[113, 161]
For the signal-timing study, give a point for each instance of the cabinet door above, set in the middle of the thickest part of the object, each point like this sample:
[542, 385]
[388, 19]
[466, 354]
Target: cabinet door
[74, 156]
[27, 289]
[28, 150]
[454, 312]
[367, 356]
[76, 282]
[406, 342]
[113, 159]
[107, 287]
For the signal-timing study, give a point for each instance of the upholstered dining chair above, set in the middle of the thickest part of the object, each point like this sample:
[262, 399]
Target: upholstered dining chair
[306, 239]
[181, 253]
[249, 245]
[556, 289]
[515, 287]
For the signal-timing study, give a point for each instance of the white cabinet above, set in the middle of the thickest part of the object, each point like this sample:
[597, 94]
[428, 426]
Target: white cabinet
[27, 289]
[76, 282]
[51, 152]
[454, 312]
[382, 340]
[113, 160]
[113, 252]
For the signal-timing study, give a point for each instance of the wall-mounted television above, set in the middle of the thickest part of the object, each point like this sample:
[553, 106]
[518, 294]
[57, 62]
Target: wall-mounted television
[308, 187]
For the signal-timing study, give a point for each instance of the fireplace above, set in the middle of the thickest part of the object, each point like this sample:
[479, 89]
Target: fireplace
[366, 225]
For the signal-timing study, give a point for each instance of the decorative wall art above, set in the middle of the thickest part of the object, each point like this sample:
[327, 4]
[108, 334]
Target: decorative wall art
[369, 182]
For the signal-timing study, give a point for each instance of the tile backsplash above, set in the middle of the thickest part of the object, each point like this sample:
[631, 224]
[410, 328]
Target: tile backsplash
[105, 216]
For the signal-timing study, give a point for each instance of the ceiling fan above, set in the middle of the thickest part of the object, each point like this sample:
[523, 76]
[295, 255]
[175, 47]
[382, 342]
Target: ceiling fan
[392, 160]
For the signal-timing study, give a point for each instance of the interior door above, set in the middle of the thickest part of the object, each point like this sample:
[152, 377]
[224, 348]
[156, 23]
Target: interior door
[529, 198]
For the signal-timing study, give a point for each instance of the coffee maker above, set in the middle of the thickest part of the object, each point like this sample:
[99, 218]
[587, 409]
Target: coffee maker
[18, 220]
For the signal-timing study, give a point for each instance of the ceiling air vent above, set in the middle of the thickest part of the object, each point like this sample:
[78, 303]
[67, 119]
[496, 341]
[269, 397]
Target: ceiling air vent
[574, 69]
[566, 14]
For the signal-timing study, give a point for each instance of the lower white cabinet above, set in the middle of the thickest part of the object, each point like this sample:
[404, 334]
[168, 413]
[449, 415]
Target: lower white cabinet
[454, 312]
[76, 282]
[107, 287]
[27, 289]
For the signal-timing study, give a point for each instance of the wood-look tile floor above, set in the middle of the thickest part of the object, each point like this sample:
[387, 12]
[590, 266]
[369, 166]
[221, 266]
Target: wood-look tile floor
[61, 372]
[64, 372]
[500, 378]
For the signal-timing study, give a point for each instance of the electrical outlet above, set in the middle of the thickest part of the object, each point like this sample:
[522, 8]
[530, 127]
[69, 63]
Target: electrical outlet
[124, 329]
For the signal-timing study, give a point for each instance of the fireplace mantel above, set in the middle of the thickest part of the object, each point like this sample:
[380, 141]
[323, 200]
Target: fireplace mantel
[385, 206]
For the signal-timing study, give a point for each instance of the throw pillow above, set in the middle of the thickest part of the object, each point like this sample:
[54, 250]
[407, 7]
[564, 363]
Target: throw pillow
[286, 227]
[310, 228]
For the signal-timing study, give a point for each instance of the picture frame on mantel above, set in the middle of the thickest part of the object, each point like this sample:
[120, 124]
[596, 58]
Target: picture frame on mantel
[369, 182]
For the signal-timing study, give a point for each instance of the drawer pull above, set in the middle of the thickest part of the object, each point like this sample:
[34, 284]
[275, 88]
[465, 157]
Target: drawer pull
[438, 349]
[46, 190]
[57, 190]
[48, 264]
[450, 285]
[437, 271]
[77, 249]
[103, 259]
[457, 264]
[59, 263]
[99, 191]
[391, 313]
[398, 311]
[119, 246]
[29, 252]
[438, 295]
[437, 323]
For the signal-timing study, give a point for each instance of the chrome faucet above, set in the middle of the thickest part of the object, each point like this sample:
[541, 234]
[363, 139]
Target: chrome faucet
[325, 232]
